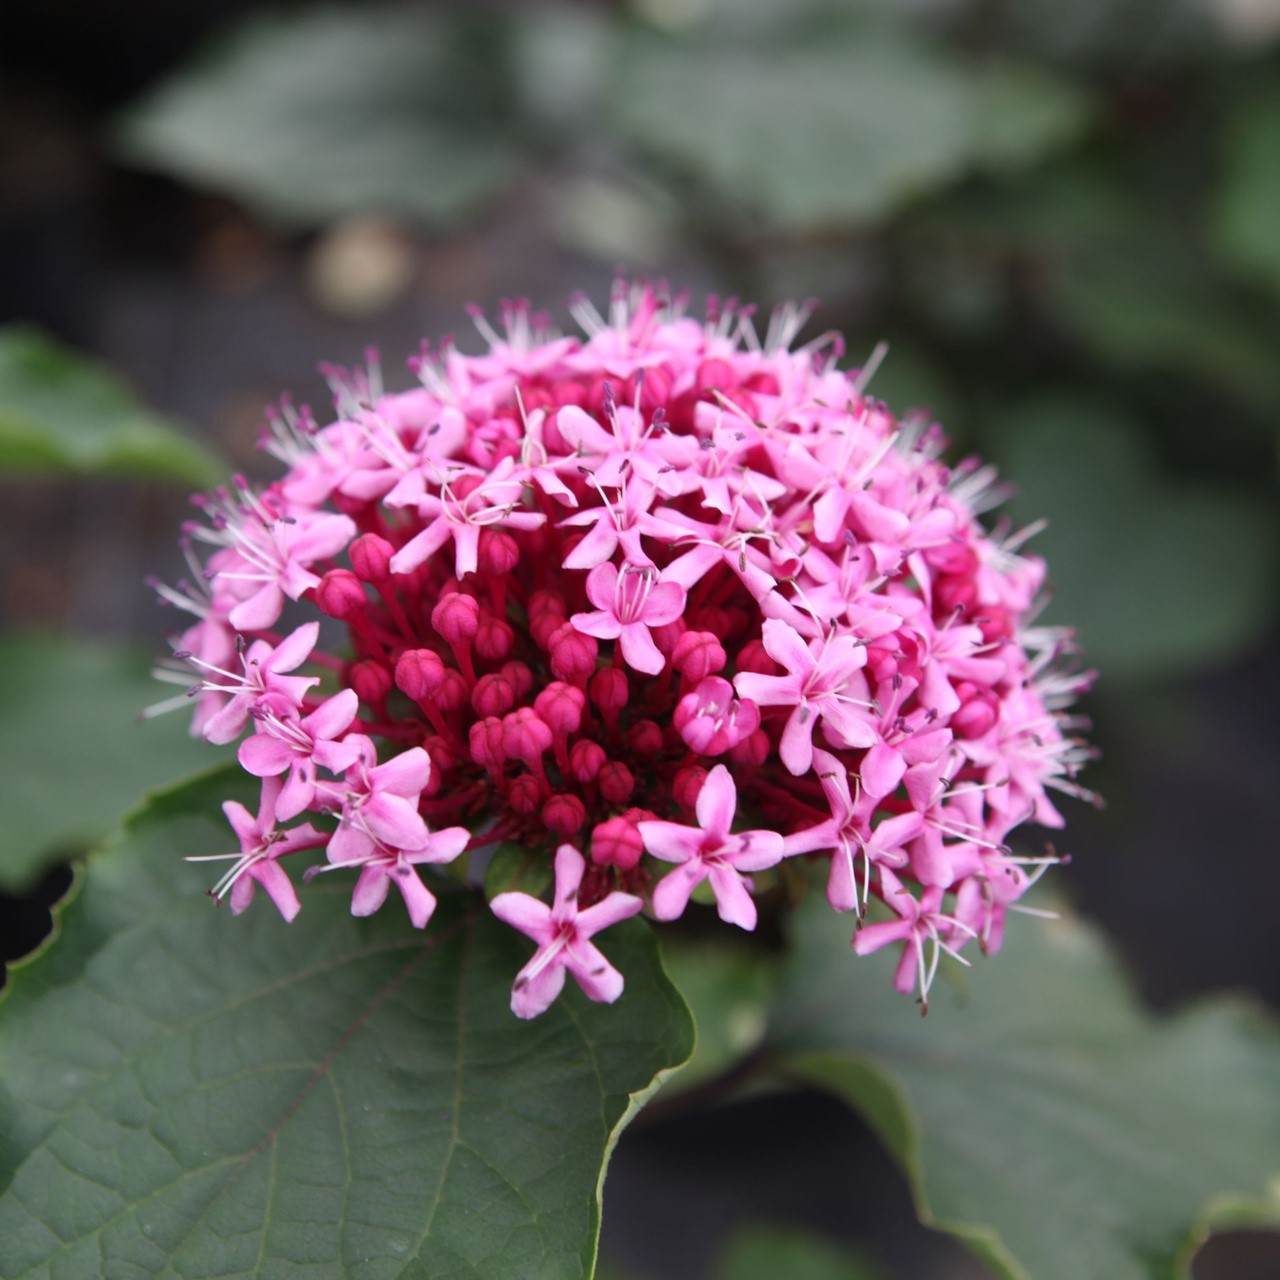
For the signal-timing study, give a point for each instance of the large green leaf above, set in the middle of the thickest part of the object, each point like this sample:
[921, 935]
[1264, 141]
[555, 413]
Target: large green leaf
[787, 1253]
[1158, 575]
[1037, 1111]
[326, 112]
[189, 1094]
[835, 134]
[75, 756]
[60, 412]
[1248, 208]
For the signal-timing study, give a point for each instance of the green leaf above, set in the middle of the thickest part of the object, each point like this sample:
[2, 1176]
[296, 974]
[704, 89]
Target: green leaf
[1037, 1111]
[1248, 206]
[728, 989]
[321, 113]
[513, 870]
[838, 134]
[76, 756]
[190, 1094]
[787, 1253]
[63, 413]
[1159, 576]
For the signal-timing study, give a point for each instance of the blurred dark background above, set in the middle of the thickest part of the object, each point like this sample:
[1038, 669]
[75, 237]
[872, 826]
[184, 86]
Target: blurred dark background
[1065, 220]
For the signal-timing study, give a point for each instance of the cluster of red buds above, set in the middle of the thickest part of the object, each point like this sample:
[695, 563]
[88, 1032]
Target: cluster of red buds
[665, 607]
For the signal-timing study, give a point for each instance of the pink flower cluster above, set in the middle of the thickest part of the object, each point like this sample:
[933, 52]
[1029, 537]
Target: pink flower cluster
[670, 606]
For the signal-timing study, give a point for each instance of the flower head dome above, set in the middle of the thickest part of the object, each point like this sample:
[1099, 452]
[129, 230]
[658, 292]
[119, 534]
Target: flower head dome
[666, 605]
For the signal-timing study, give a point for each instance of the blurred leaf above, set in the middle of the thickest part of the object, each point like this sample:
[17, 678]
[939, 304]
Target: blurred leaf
[63, 413]
[512, 870]
[1159, 576]
[319, 113]
[728, 989]
[75, 757]
[1038, 1113]
[191, 1094]
[834, 135]
[1247, 217]
[787, 1253]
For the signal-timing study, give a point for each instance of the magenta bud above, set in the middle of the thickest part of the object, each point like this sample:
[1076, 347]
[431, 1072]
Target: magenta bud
[520, 676]
[616, 843]
[452, 694]
[371, 557]
[498, 553]
[564, 815]
[752, 751]
[371, 680]
[586, 758]
[561, 706]
[573, 655]
[340, 594]
[525, 795]
[608, 690]
[753, 657]
[486, 742]
[645, 738]
[419, 673]
[525, 736]
[686, 785]
[456, 618]
[697, 655]
[494, 638]
[616, 782]
[493, 695]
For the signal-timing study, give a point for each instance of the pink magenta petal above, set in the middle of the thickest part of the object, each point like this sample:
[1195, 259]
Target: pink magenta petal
[523, 912]
[785, 645]
[405, 774]
[613, 909]
[333, 715]
[882, 770]
[297, 793]
[371, 891]
[796, 747]
[570, 865]
[350, 843]
[273, 878]
[259, 611]
[733, 902]
[419, 900]
[243, 823]
[242, 893]
[604, 626]
[670, 841]
[263, 756]
[717, 802]
[665, 604]
[295, 648]
[842, 881]
[532, 996]
[871, 937]
[672, 894]
[395, 821]
[602, 584]
[640, 651]
[594, 974]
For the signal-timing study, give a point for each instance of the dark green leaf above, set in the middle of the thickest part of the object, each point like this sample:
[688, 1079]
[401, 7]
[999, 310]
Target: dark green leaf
[76, 757]
[834, 135]
[1037, 1111]
[1248, 210]
[786, 1253]
[512, 869]
[190, 1094]
[1159, 576]
[62, 413]
[322, 113]
[728, 989]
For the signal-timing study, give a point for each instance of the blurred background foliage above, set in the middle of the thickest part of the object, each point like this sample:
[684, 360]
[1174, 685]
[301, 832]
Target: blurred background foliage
[1063, 218]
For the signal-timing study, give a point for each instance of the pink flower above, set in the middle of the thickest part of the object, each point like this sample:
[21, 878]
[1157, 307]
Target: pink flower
[285, 742]
[573, 575]
[920, 922]
[823, 682]
[710, 850]
[382, 865]
[379, 803]
[629, 604]
[563, 934]
[261, 847]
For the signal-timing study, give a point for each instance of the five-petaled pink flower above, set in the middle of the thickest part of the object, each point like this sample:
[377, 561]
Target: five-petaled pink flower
[261, 847]
[711, 850]
[563, 934]
[630, 602]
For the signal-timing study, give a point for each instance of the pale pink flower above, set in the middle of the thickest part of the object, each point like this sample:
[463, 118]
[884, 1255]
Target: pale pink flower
[563, 933]
[629, 604]
[711, 850]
